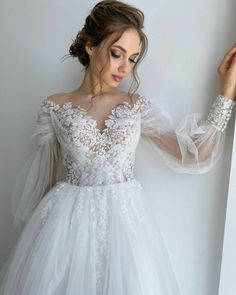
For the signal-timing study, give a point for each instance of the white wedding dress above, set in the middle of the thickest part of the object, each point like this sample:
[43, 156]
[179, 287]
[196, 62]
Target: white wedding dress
[85, 225]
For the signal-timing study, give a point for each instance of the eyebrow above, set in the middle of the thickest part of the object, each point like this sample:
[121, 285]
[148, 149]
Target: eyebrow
[123, 49]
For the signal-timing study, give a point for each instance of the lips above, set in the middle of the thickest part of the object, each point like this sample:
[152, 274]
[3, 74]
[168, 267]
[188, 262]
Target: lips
[117, 78]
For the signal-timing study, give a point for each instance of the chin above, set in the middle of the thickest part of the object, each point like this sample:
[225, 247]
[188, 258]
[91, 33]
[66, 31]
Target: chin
[113, 84]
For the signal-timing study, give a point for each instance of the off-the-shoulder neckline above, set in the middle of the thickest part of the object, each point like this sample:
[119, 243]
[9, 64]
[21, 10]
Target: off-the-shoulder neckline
[73, 106]
[102, 131]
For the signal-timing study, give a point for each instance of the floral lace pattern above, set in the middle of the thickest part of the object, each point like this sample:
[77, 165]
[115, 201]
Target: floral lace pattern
[92, 156]
[101, 201]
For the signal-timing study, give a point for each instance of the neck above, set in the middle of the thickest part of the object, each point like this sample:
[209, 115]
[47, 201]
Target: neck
[90, 85]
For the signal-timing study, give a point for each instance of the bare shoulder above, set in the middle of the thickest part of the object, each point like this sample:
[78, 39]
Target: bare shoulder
[134, 97]
[58, 98]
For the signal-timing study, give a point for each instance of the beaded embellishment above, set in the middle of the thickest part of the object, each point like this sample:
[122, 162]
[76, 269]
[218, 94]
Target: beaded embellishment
[220, 112]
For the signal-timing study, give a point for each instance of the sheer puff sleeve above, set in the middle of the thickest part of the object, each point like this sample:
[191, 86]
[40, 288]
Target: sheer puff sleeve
[40, 171]
[196, 143]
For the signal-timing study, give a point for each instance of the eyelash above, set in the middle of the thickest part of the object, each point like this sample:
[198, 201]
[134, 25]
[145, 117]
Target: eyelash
[117, 56]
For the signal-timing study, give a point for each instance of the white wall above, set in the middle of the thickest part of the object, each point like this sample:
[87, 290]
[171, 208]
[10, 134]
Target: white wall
[187, 40]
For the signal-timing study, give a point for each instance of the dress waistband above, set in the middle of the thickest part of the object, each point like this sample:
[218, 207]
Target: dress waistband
[132, 182]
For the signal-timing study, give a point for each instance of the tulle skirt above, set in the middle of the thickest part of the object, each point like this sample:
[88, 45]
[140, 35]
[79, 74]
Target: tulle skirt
[90, 240]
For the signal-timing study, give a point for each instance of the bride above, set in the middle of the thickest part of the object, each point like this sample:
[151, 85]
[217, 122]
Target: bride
[85, 226]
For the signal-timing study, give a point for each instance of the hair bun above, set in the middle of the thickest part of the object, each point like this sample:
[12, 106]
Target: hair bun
[77, 49]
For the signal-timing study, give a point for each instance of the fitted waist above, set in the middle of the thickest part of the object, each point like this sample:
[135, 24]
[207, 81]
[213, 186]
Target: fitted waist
[96, 177]
[118, 185]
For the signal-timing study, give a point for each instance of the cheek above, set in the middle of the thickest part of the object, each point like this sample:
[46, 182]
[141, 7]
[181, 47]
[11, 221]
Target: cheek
[112, 67]
[114, 63]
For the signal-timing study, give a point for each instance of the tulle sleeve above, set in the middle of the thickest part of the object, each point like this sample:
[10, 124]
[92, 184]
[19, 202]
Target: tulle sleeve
[193, 146]
[40, 171]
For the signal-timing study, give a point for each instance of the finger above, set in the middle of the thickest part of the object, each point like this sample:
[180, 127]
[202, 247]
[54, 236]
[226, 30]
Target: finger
[227, 66]
[228, 57]
[229, 53]
[230, 60]
[233, 64]
[230, 68]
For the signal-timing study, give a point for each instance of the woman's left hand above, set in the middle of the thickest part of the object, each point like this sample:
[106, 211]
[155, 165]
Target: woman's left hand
[227, 73]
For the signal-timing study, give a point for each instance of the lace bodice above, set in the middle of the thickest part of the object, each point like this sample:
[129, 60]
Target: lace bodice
[69, 141]
[89, 155]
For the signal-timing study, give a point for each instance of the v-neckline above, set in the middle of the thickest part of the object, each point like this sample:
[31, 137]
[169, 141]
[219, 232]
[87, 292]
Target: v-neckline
[102, 131]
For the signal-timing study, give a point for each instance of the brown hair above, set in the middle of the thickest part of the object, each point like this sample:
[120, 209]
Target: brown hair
[109, 17]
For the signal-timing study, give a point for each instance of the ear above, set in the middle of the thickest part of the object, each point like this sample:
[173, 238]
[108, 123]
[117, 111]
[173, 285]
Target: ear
[89, 48]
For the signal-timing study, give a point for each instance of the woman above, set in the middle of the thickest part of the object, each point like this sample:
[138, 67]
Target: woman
[86, 228]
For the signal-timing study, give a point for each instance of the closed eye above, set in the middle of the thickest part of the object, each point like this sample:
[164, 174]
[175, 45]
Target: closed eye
[117, 56]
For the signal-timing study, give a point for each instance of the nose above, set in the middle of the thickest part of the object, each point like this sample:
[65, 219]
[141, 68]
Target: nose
[124, 66]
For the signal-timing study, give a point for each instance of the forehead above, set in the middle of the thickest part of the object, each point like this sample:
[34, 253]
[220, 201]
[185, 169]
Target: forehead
[130, 41]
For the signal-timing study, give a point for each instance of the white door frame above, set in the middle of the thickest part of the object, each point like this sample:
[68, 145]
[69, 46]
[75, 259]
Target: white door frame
[227, 281]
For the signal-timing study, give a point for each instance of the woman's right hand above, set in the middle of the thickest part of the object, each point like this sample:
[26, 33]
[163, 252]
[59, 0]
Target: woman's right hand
[227, 73]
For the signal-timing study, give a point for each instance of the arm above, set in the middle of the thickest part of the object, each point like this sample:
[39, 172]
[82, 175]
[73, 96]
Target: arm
[196, 144]
[39, 173]
[170, 143]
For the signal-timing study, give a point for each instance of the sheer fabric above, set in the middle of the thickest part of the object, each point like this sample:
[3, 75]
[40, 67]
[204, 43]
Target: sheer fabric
[39, 173]
[194, 146]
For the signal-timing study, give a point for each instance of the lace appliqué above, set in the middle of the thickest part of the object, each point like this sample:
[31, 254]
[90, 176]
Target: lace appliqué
[101, 150]
[44, 214]
[100, 202]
